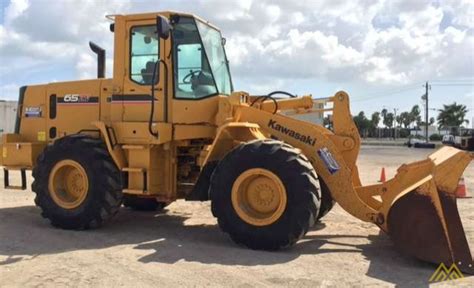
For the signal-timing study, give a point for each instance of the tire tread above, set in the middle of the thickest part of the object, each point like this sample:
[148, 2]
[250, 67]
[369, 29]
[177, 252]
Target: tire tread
[109, 183]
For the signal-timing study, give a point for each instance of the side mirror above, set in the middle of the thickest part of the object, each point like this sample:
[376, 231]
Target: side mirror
[162, 27]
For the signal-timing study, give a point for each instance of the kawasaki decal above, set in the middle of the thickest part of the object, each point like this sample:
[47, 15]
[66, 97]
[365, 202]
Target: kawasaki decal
[292, 133]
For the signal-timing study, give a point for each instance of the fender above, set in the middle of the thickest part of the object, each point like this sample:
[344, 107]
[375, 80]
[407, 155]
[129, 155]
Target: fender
[227, 137]
[230, 135]
[115, 151]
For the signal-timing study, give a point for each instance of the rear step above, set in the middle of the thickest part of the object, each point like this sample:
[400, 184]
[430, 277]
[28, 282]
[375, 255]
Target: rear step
[136, 170]
[6, 179]
[137, 177]
[133, 147]
[134, 190]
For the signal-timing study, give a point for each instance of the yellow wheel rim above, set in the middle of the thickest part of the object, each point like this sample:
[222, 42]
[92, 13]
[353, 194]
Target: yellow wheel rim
[68, 184]
[259, 197]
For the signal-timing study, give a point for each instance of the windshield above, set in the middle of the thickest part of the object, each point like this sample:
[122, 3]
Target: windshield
[200, 64]
[213, 45]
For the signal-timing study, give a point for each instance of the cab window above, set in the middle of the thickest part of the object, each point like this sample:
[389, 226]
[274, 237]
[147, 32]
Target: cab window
[144, 53]
[189, 63]
[192, 73]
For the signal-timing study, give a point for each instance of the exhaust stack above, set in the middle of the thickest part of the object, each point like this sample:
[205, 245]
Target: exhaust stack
[100, 59]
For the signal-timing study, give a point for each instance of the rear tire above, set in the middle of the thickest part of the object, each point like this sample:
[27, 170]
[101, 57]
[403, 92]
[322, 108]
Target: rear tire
[143, 204]
[298, 178]
[104, 190]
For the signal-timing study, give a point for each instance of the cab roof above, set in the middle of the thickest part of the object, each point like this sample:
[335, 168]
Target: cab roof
[152, 15]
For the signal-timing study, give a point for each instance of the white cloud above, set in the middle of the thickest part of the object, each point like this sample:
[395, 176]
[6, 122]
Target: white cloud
[86, 66]
[9, 91]
[15, 9]
[359, 41]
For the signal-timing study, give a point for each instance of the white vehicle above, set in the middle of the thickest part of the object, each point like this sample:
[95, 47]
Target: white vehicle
[448, 139]
[412, 141]
[465, 141]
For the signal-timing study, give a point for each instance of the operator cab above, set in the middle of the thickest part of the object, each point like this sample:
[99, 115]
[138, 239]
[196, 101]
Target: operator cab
[191, 64]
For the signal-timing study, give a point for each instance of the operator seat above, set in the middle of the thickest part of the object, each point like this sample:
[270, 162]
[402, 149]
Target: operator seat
[147, 72]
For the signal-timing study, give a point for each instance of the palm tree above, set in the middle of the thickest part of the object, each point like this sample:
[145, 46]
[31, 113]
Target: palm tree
[432, 121]
[415, 115]
[388, 120]
[398, 121]
[362, 123]
[405, 118]
[452, 115]
[384, 114]
[374, 121]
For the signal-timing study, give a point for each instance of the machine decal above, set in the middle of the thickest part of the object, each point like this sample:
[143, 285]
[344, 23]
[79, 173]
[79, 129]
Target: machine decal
[292, 133]
[78, 99]
[41, 136]
[131, 99]
[33, 112]
[328, 160]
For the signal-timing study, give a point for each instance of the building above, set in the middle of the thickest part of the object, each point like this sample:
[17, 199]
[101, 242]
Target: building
[431, 130]
[315, 117]
[7, 116]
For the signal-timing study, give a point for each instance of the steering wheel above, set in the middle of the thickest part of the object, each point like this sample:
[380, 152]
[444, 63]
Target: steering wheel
[188, 78]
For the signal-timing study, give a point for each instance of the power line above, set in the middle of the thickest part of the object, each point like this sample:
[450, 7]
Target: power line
[453, 84]
[388, 93]
[454, 80]
[395, 89]
[468, 82]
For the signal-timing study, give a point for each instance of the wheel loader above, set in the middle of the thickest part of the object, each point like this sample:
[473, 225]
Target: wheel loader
[169, 125]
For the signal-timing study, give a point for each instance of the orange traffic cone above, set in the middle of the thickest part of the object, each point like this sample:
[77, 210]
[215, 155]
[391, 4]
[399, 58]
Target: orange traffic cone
[382, 175]
[462, 190]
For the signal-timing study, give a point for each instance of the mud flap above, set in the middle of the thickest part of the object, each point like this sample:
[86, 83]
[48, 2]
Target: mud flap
[425, 223]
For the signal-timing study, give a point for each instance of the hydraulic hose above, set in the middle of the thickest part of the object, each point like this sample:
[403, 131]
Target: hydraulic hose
[152, 111]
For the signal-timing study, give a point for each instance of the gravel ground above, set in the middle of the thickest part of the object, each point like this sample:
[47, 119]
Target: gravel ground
[184, 247]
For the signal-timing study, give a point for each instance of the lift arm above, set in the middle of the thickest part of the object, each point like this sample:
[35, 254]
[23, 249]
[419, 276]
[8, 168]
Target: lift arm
[417, 207]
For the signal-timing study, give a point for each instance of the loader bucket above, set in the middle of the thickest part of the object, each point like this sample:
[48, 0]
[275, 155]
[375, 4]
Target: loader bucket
[423, 220]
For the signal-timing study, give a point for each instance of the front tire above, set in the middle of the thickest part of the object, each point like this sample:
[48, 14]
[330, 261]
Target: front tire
[77, 184]
[264, 194]
[327, 203]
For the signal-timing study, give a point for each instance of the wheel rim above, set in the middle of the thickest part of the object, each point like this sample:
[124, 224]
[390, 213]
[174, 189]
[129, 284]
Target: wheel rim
[68, 184]
[259, 197]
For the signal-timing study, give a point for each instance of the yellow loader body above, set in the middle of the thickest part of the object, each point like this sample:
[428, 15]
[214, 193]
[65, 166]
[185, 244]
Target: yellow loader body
[146, 140]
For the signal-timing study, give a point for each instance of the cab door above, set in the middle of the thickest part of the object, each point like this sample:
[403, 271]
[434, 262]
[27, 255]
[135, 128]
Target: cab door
[142, 51]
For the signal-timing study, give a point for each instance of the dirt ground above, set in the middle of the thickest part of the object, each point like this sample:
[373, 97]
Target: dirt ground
[184, 247]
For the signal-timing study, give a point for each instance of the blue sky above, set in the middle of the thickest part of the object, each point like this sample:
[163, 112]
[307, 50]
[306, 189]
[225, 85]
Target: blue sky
[380, 52]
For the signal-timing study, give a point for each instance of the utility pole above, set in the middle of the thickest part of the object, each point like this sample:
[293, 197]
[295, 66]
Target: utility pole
[425, 97]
